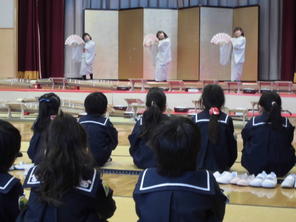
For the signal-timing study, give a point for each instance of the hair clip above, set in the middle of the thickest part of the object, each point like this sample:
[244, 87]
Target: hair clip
[44, 100]
[214, 111]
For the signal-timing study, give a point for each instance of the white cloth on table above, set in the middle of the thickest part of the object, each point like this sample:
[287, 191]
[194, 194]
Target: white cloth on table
[88, 57]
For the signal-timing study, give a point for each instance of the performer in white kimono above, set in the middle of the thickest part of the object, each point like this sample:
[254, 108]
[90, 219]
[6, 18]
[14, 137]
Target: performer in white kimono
[163, 56]
[88, 56]
[238, 54]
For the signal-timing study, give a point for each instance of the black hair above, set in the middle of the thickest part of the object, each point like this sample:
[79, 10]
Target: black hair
[49, 105]
[272, 105]
[10, 143]
[239, 29]
[176, 143]
[156, 105]
[66, 160]
[96, 103]
[159, 32]
[213, 97]
[86, 34]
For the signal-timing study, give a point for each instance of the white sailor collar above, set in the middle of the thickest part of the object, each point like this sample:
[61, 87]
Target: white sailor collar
[7, 182]
[99, 121]
[198, 181]
[87, 185]
[201, 117]
[260, 120]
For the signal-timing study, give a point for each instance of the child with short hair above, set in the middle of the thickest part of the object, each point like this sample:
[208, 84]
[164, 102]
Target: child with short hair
[268, 139]
[101, 135]
[175, 190]
[218, 150]
[143, 156]
[10, 188]
[49, 105]
[65, 186]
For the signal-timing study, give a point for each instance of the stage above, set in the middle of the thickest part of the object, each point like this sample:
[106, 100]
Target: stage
[183, 94]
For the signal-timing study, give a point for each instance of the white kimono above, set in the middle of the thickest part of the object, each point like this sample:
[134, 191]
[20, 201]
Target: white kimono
[88, 57]
[163, 59]
[236, 50]
[238, 57]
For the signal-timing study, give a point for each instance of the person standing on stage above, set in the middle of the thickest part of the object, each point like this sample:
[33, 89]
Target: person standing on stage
[88, 56]
[238, 54]
[163, 56]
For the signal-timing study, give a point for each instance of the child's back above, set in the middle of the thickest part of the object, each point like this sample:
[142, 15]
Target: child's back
[219, 156]
[102, 137]
[89, 201]
[266, 148]
[10, 188]
[49, 105]
[194, 196]
[218, 149]
[268, 139]
[142, 155]
[175, 191]
[64, 185]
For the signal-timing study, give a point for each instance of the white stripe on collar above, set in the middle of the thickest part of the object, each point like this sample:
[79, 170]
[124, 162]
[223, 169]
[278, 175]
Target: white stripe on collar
[141, 121]
[90, 187]
[286, 122]
[142, 188]
[208, 120]
[262, 123]
[32, 180]
[6, 185]
[95, 122]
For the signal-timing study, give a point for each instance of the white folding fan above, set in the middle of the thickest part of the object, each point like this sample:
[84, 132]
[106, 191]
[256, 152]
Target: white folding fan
[149, 40]
[221, 38]
[74, 40]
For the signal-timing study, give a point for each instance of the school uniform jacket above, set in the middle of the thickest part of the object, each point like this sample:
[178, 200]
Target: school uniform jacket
[268, 149]
[10, 192]
[101, 135]
[143, 156]
[195, 196]
[220, 156]
[35, 148]
[90, 201]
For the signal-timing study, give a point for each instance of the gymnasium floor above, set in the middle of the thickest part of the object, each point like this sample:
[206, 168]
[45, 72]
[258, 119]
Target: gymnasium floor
[246, 204]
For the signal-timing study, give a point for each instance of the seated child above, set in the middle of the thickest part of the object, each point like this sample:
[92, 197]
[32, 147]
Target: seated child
[102, 137]
[49, 105]
[142, 154]
[218, 150]
[268, 139]
[65, 186]
[175, 191]
[10, 188]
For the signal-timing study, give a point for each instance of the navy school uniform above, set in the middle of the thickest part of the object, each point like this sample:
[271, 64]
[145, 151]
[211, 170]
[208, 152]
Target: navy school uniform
[101, 135]
[35, 148]
[88, 202]
[195, 196]
[268, 149]
[142, 155]
[220, 156]
[10, 192]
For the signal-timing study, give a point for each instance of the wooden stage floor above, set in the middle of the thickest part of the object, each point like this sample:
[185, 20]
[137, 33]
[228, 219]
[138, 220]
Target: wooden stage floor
[246, 204]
